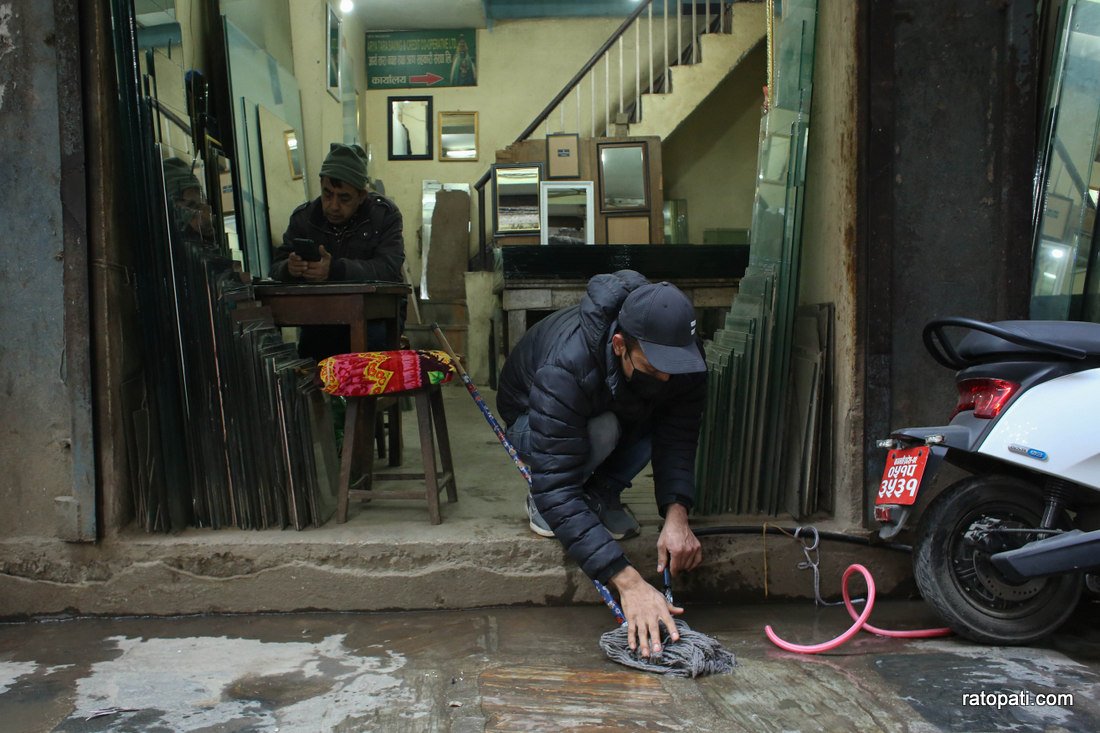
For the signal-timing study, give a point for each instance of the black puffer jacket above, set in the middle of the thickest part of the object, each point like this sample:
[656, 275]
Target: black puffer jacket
[562, 373]
[370, 246]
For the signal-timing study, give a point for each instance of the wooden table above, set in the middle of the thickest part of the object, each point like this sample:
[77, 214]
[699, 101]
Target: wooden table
[343, 304]
[522, 296]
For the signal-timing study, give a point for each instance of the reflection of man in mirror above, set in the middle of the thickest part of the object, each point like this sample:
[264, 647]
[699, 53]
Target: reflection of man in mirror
[188, 208]
[463, 71]
[359, 238]
[401, 144]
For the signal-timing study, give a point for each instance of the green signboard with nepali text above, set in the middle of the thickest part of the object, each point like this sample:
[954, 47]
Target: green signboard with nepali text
[422, 59]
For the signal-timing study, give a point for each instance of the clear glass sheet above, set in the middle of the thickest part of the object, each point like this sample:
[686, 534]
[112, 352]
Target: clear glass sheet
[256, 79]
[795, 23]
[1066, 282]
[161, 62]
[749, 359]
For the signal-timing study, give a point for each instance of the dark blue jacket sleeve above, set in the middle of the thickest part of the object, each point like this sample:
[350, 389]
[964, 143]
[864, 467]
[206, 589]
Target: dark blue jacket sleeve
[559, 449]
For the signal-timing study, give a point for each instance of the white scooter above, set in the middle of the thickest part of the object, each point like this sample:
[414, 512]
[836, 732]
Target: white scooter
[1003, 554]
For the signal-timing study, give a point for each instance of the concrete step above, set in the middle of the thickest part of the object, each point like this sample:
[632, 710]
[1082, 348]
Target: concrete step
[387, 556]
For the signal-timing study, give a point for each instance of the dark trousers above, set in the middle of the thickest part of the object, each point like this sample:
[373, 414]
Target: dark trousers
[616, 456]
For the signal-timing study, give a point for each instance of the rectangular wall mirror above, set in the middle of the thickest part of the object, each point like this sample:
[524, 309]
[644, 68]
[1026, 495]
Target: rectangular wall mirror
[293, 154]
[410, 128]
[624, 177]
[516, 198]
[458, 136]
[566, 213]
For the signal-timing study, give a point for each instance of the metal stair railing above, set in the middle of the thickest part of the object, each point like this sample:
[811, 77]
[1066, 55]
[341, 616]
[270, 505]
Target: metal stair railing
[719, 23]
[677, 33]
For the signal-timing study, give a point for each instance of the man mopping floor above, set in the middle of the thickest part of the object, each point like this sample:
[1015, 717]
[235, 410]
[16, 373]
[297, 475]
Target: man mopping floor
[590, 395]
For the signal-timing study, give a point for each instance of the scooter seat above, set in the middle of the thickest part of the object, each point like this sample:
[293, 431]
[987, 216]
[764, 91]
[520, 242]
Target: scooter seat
[978, 346]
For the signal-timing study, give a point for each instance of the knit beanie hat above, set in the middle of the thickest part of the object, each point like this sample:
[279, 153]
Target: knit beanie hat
[178, 178]
[347, 163]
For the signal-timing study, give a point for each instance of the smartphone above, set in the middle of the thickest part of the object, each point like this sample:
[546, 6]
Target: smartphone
[307, 249]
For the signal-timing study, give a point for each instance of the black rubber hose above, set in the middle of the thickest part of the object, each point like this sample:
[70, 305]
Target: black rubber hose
[789, 531]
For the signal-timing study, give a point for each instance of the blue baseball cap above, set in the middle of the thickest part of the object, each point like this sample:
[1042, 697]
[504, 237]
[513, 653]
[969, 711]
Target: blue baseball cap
[661, 318]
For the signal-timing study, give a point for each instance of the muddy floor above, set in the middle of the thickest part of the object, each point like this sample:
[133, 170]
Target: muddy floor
[530, 669]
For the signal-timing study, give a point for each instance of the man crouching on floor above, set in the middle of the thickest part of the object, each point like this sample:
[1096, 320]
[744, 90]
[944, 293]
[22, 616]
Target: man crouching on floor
[590, 395]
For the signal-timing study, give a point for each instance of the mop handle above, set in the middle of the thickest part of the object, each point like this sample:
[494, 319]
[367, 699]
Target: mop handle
[488, 415]
[605, 594]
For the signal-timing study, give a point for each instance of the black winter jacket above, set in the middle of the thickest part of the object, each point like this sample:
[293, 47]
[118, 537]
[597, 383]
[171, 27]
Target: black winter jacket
[371, 246]
[562, 373]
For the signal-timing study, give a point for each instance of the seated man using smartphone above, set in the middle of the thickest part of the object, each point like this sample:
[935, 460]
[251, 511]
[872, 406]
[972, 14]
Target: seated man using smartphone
[347, 234]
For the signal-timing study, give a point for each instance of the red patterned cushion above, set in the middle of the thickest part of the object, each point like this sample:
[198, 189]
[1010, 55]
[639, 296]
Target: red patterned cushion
[384, 372]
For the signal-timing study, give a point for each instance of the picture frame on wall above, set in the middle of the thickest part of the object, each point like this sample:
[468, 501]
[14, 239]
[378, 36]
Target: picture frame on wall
[563, 156]
[332, 47]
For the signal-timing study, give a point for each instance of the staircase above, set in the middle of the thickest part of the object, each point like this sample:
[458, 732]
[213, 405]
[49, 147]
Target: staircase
[654, 70]
[663, 61]
[720, 53]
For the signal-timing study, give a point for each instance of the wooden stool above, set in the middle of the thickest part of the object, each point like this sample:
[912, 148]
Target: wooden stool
[371, 378]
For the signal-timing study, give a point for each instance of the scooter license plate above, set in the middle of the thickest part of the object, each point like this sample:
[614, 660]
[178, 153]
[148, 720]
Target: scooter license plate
[902, 475]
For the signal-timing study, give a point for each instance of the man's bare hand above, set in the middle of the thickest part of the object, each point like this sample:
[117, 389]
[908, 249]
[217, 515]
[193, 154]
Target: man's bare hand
[645, 609]
[310, 271]
[678, 545]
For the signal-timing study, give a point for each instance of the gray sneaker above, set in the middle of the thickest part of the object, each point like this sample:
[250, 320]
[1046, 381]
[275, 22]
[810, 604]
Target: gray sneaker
[614, 515]
[537, 524]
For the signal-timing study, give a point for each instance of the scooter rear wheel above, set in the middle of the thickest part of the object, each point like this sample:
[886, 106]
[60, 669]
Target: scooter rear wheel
[956, 576]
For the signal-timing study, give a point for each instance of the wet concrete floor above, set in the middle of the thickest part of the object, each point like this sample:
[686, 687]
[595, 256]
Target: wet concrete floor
[530, 669]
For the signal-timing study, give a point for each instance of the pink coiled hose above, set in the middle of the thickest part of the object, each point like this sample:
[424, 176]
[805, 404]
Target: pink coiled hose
[860, 621]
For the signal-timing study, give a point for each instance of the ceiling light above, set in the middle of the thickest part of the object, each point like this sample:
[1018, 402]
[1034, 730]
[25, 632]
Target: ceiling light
[346, 6]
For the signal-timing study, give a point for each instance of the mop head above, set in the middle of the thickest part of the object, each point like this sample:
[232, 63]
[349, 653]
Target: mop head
[694, 655]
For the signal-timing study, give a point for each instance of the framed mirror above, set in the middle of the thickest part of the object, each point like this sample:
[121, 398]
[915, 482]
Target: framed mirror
[565, 212]
[409, 128]
[624, 177]
[458, 136]
[516, 198]
[293, 154]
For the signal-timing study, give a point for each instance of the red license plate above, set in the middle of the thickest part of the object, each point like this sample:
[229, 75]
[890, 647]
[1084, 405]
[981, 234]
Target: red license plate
[902, 475]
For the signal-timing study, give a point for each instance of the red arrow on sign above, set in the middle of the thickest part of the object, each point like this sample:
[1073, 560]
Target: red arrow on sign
[428, 78]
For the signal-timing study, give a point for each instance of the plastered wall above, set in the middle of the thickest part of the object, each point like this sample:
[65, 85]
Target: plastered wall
[521, 66]
[828, 272]
[710, 159]
[36, 411]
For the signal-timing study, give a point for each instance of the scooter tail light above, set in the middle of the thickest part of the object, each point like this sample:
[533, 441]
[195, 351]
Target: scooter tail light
[985, 396]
